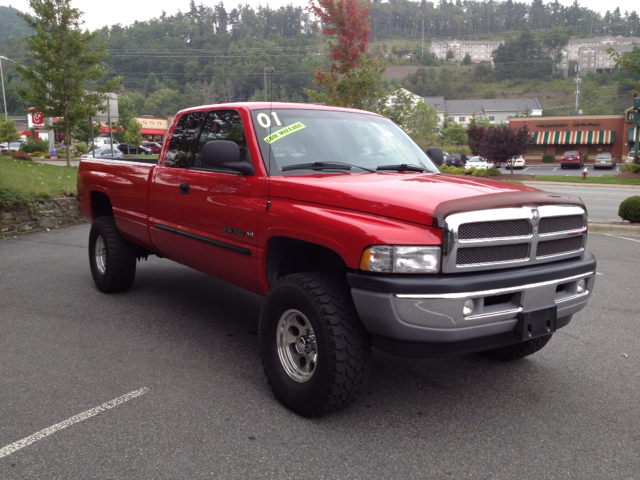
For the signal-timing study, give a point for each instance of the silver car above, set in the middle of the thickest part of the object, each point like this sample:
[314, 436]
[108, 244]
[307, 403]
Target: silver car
[604, 160]
[103, 153]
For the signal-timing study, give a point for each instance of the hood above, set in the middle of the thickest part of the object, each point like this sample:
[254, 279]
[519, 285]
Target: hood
[410, 197]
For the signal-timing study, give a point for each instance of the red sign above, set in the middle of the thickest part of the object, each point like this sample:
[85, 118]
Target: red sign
[37, 118]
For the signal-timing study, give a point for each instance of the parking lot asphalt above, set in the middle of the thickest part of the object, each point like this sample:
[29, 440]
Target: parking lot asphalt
[179, 352]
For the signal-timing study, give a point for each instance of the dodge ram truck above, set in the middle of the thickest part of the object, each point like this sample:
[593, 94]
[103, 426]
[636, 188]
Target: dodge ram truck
[350, 232]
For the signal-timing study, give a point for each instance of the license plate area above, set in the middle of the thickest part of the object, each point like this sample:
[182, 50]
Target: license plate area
[536, 323]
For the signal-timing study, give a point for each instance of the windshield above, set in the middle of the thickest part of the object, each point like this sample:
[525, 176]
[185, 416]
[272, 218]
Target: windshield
[476, 159]
[571, 154]
[298, 137]
[603, 155]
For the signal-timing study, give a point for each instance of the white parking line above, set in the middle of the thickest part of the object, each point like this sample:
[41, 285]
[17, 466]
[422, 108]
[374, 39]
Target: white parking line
[14, 447]
[624, 238]
[555, 169]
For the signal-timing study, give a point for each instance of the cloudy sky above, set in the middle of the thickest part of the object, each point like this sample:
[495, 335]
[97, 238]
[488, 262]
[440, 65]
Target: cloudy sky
[125, 12]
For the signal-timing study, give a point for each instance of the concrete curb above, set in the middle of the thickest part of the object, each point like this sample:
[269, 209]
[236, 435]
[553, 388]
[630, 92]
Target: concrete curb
[614, 229]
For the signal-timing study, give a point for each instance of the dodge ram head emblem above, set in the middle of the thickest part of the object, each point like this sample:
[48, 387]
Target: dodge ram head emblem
[535, 214]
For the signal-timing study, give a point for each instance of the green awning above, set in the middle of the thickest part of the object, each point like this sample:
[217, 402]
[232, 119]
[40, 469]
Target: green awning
[581, 137]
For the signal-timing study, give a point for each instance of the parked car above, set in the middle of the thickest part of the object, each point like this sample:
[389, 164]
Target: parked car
[518, 162]
[456, 160]
[153, 146]
[58, 146]
[479, 163]
[4, 146]
[630, 158]
[604, 160]
[103, 153]
[15, 146]
[126, 148]
[572, 159]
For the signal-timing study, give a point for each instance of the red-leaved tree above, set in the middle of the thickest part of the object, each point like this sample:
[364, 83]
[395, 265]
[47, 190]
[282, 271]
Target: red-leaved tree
[501, 144]
[353, 78]
[475, 134]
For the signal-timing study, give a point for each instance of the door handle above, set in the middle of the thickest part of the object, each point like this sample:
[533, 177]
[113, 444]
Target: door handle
[184, 188]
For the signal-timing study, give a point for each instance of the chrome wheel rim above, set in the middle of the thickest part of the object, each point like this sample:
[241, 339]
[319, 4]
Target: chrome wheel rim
[297, 346]
[101, 255]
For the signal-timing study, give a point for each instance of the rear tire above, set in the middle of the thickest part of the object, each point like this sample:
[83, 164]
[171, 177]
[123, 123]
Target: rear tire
[315, 351]
[519, 350]
[111, 257]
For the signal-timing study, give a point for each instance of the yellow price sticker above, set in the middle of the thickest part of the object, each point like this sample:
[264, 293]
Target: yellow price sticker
[283, 132]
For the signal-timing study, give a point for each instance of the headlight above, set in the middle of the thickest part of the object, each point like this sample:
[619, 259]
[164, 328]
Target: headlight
[396, 259]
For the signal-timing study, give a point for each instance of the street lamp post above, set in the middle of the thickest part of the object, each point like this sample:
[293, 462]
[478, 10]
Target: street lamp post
[4, 98]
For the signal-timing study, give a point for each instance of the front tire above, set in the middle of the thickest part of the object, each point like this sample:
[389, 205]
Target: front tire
[519, 350]
[111, 257]
[315, 351]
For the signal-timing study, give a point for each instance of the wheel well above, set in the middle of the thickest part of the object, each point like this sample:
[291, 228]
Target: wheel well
[288, 255]
[100, 205]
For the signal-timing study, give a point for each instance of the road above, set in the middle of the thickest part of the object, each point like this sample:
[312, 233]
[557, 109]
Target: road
[602, 202]
[569, 412]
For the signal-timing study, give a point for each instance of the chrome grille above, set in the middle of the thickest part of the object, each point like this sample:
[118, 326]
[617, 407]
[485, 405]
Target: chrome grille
[492, 254]
[506, 237]
[501, 229]
[561, 224]
[557, 247]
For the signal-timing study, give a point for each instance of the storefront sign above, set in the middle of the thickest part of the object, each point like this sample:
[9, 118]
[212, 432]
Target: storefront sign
[553, 124]
[586, 123]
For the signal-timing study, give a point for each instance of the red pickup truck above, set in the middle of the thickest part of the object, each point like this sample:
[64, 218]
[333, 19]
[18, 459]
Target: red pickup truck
[352, 234]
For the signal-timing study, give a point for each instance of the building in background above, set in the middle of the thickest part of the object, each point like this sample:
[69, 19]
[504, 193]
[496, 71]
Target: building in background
[589, 134]
[153, 129]
[591, 53]
[480, 51]
[495, 110]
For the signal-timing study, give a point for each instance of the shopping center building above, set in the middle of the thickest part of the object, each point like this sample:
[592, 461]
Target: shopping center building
[589, 134]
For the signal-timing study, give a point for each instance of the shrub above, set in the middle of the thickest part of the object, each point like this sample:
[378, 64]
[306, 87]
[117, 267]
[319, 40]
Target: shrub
[33, 145]
[452, 170]
[632, 167]
[470, 171]
[21, 156]
[492, 172]
[630, 209]
[548, 158]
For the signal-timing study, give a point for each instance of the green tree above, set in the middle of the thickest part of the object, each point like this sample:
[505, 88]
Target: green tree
[553, 41]
[353, 79]
[454, 134]
[8, 132]
[417, 118]
[132, 135]
[450, 54]
[467, 59]
[82, 131]
[126, 113]
[64, 61]
[630, 62]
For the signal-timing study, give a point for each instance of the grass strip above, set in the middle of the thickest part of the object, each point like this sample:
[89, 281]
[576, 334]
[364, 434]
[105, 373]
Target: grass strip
[605, 179]
[25, 181]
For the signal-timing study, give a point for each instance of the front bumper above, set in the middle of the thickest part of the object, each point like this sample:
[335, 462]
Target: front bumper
[425, 313]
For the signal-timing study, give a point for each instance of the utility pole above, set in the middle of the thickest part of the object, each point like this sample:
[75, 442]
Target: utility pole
[577, 81]
[3, 97]
[423, 38]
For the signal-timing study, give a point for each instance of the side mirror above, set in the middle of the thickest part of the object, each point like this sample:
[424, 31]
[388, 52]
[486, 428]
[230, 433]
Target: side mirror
[436, 155]
[226, 154]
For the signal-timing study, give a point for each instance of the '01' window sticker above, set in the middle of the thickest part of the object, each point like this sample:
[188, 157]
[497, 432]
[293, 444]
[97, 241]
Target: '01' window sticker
[265, 122]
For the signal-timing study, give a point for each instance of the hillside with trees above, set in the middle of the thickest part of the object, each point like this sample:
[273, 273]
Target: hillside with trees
[218, 53]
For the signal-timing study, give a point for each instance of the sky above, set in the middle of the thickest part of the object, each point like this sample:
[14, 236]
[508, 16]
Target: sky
[125, 12]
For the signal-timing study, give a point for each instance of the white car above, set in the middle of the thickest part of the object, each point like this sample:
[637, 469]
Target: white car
[480, 163]
[518, 162]
[15, 146]
[103, 153]
[630, 158]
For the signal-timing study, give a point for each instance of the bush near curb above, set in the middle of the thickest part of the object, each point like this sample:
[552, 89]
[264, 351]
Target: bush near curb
[548, 158]
[632, 167]
[492, 172]
[630, 209]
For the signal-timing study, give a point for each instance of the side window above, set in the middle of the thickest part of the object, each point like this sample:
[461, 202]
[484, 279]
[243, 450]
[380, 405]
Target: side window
[222, 125]
[183, 140]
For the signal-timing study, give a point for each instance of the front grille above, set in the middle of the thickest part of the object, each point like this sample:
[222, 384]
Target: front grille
[508, 237]
[557, 247]
[561, 224]
[493, 254]
[501, 229]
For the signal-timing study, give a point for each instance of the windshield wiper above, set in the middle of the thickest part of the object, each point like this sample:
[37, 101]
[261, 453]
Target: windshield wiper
[323, 166]
[403, 167]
